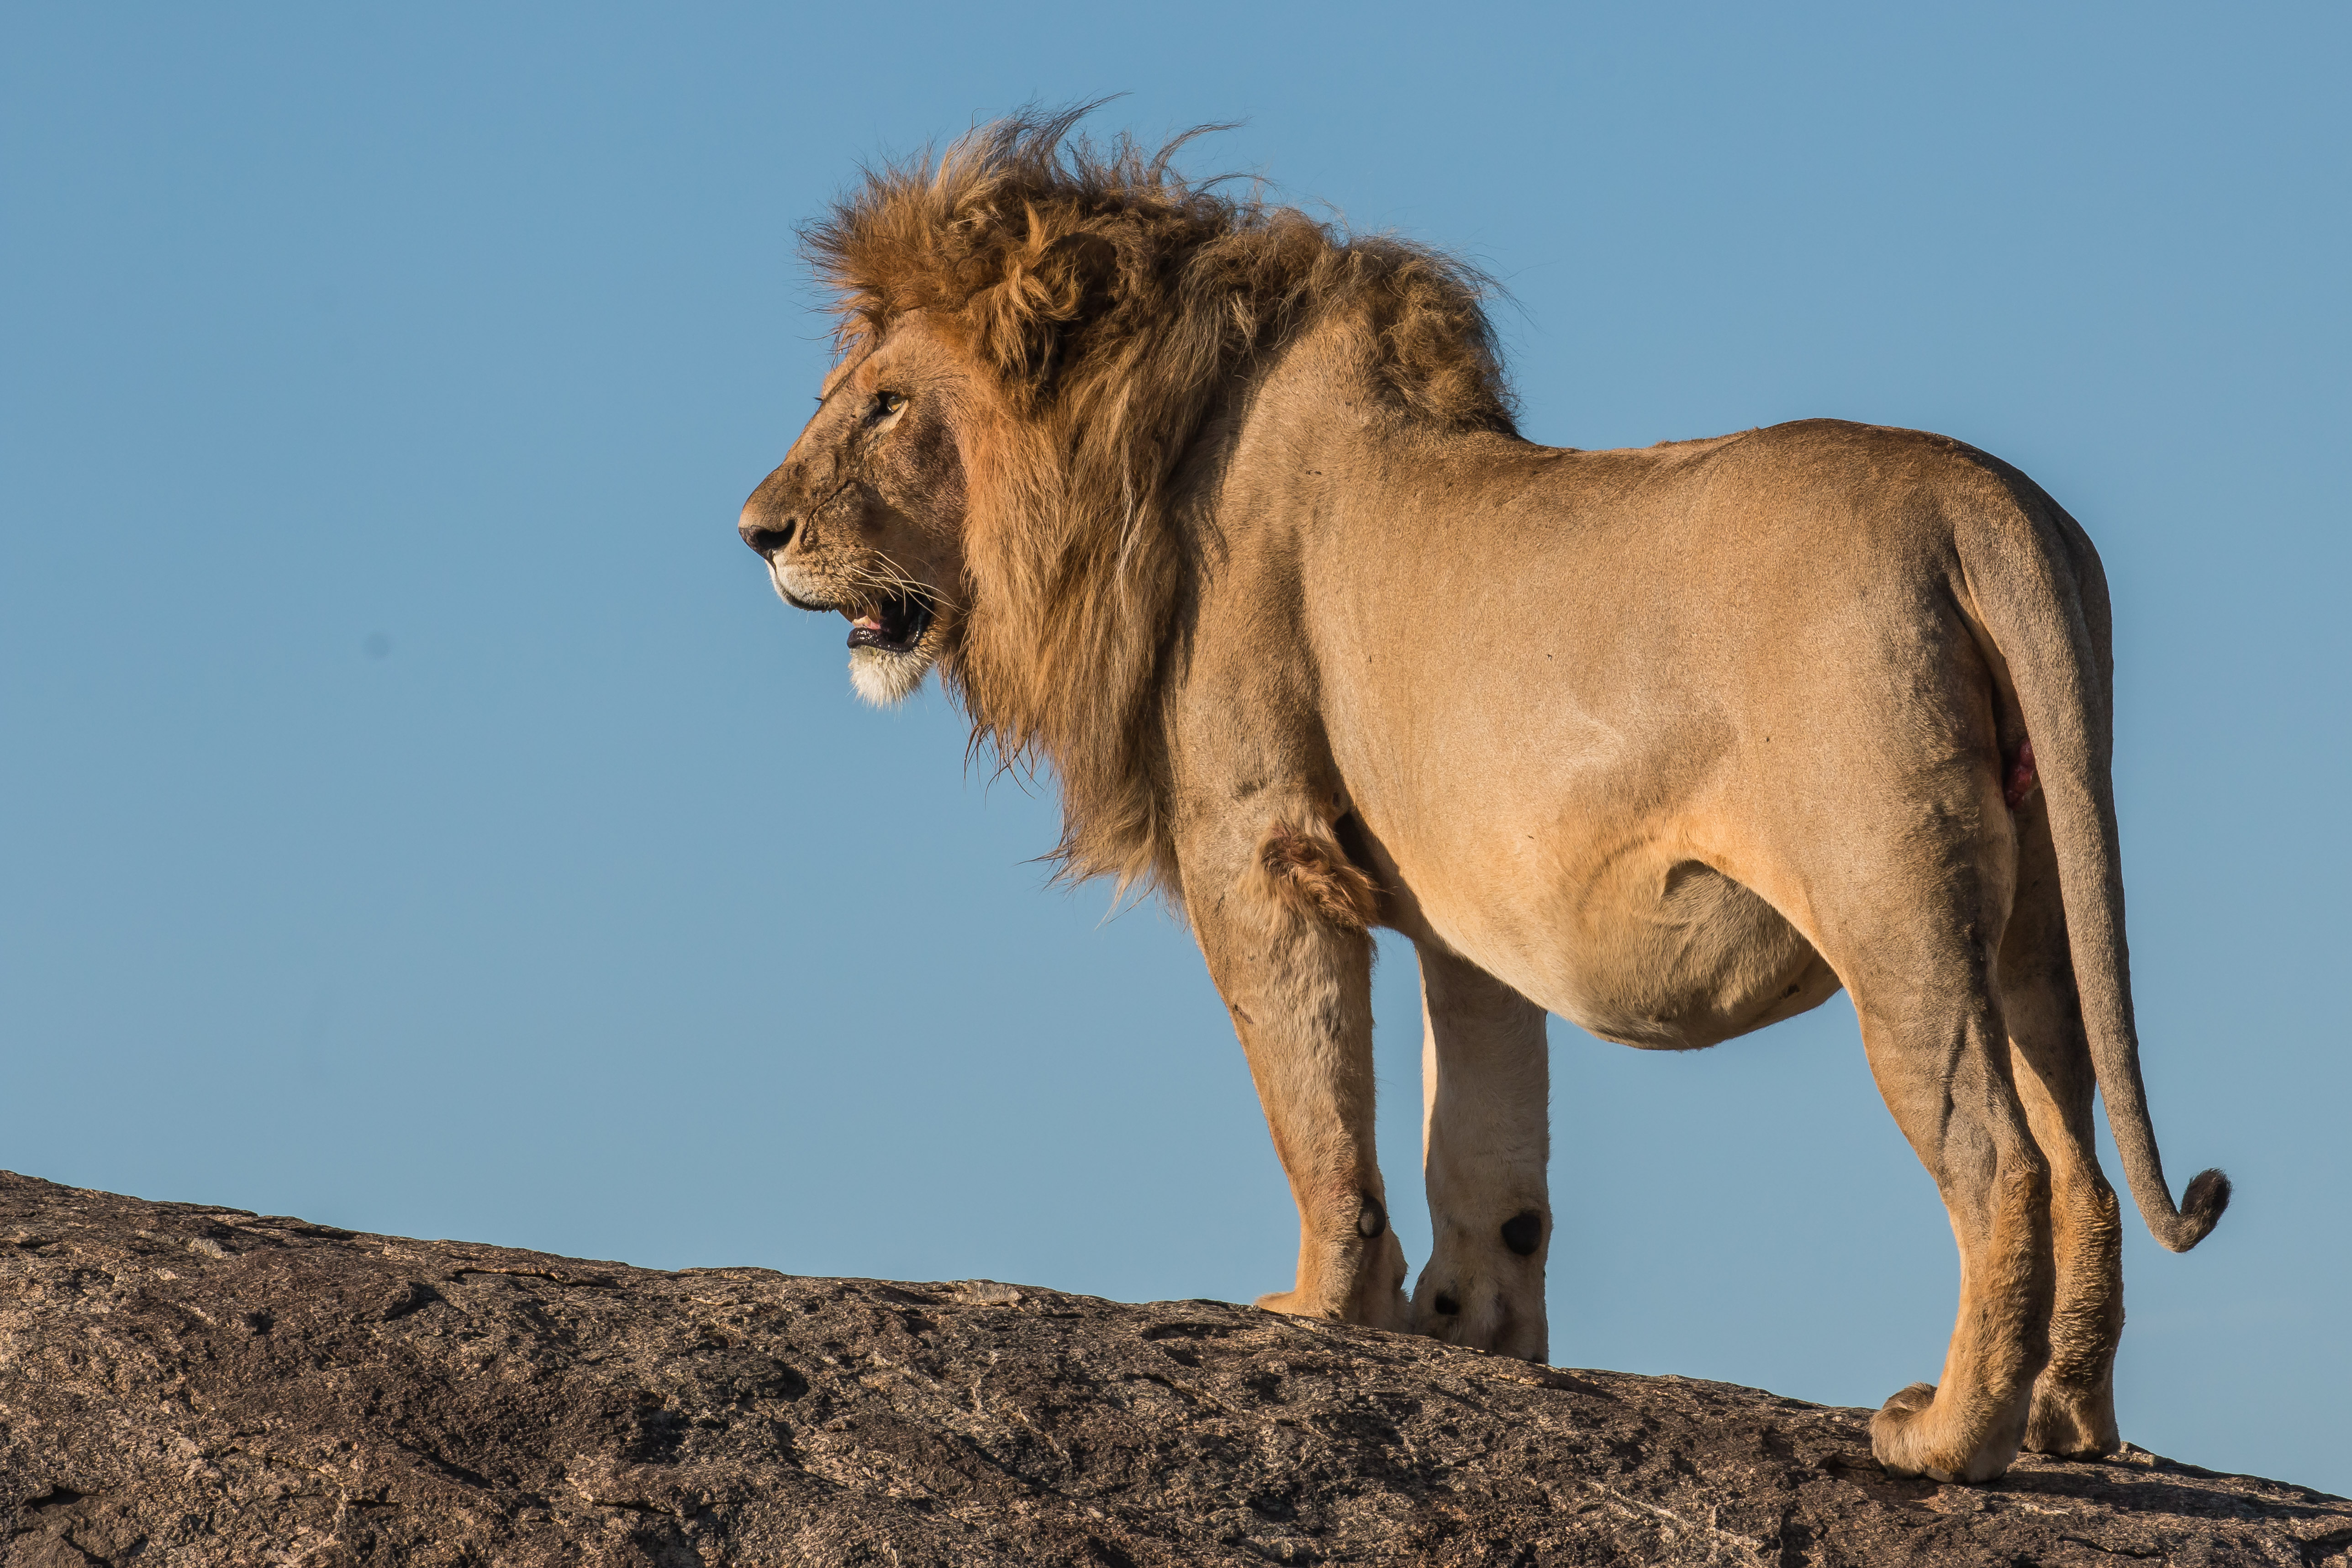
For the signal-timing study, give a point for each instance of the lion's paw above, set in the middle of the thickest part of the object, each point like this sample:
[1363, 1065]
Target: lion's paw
[1473, 1308]
[1375, 1302]
[1910, 1436]
[1897, 1439]
[2072, 1422]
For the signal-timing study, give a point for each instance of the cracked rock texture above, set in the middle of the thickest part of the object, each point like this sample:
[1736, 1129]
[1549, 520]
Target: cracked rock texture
[191, 1385]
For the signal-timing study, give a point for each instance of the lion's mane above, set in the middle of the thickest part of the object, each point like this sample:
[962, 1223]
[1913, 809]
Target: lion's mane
[1112, 306]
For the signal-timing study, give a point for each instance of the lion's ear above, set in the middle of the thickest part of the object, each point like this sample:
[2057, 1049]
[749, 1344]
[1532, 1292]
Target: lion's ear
[1047, 293]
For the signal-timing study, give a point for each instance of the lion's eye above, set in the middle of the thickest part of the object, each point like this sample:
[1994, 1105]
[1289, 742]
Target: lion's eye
[886, 404]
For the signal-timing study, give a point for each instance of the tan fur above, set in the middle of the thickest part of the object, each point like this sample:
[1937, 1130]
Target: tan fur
[1116, 305]
[1305, 870]
[1220, 515]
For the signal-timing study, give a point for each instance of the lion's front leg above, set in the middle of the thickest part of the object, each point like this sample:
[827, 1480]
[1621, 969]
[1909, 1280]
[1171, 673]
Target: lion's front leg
[1486, 1138]
[1281, 917]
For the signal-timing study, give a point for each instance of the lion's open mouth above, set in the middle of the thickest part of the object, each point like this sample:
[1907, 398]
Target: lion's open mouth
[895, 625]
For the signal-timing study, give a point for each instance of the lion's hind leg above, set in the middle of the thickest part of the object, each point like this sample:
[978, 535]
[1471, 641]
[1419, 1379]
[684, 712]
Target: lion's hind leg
[1921, 979]
[2074, 1411]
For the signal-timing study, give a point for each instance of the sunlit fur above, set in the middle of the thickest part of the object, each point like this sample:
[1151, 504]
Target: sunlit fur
[1110, 306]
[886, 679]
[1228, 525]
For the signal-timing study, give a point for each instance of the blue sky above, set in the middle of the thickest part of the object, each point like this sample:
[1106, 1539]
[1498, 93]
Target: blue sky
[417, 814]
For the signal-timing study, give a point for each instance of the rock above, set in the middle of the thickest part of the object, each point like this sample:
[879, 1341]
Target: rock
[190, 1385]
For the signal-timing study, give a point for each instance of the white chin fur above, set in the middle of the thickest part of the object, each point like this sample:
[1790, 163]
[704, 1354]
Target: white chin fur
[886, 679]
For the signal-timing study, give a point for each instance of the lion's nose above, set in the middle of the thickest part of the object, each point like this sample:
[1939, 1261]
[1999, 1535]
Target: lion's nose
[755, 526]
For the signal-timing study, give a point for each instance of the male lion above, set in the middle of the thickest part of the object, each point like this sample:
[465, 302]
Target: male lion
[1223, 516]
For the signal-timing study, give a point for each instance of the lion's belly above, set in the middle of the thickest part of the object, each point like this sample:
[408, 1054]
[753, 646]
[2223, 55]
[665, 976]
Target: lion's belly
[1664, 955]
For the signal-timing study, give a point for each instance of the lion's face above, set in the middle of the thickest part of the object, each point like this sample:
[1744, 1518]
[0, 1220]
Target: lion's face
[864, 516]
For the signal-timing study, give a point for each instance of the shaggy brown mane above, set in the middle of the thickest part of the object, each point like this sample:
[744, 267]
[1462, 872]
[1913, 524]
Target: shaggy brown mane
[1112, 305]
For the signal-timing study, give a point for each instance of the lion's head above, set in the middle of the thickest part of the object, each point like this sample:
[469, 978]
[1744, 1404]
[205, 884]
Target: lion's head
[1032, 336]
[866, 515]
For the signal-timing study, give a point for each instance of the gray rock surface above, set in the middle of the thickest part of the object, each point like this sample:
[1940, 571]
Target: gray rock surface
[191, 1385]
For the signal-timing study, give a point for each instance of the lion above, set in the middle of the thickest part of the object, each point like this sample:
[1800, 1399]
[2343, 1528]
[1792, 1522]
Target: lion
[1223, 516]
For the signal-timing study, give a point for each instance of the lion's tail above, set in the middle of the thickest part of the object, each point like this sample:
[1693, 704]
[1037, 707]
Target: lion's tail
[2038, 588]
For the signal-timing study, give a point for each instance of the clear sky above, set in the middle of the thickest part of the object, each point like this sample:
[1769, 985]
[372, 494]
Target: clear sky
[416, 811]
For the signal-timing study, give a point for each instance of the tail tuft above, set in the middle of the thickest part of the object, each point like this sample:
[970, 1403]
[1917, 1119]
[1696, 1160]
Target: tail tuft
[2200, 1210]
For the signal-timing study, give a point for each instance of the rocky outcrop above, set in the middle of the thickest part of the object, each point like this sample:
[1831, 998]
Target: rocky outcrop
[191, 1385]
